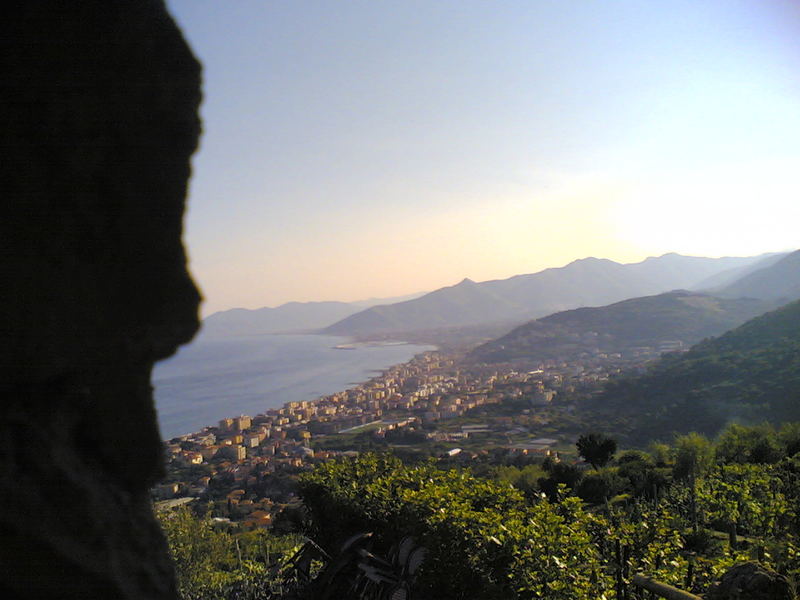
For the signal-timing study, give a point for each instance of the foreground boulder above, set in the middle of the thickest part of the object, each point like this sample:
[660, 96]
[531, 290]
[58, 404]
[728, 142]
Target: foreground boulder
[751, 581]
[98, 120]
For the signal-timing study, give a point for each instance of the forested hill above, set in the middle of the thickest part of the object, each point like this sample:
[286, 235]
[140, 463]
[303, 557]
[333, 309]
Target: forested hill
[750, 374]
[621, 327]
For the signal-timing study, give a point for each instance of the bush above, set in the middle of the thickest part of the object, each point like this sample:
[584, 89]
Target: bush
[596, 488]
[483, 539]
[215, 565]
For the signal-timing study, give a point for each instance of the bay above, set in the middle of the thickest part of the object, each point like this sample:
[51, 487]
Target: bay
[213, 378]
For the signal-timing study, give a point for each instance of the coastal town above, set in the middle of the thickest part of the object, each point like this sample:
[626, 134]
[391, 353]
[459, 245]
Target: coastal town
[439, 404]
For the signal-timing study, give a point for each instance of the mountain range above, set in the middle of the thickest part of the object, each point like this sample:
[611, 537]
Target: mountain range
[585, 282]
[497, 306]
[291, 317]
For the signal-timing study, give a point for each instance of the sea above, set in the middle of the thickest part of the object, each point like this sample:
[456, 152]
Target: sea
[217, 377]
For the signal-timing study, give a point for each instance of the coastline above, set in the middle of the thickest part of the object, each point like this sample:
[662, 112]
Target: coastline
[352, 345]
[216, 378]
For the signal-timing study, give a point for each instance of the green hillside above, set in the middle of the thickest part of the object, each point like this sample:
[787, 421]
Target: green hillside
[622, 327]
[750, 374]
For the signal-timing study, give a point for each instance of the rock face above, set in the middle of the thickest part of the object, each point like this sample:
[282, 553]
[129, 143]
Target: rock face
[751, 581]
[98, 120]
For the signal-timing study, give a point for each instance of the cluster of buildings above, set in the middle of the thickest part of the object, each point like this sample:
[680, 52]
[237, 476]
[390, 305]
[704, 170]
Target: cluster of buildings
[232, 462]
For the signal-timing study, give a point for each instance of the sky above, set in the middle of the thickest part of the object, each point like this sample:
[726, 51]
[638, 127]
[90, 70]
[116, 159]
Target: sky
[359, 149]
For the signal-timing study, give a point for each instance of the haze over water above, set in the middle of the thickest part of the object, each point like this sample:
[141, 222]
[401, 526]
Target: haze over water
[214, 378]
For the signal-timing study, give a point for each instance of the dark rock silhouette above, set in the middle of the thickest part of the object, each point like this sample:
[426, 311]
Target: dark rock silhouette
[98, 120]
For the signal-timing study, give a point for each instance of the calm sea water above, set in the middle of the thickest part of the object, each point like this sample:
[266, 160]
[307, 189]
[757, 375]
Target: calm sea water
[211, 379]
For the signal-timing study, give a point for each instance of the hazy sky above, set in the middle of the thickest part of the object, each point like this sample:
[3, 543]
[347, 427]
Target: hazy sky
[377, 148]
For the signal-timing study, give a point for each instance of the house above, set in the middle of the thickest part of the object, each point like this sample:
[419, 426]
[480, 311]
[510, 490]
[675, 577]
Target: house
[167, 490]
[257, 519]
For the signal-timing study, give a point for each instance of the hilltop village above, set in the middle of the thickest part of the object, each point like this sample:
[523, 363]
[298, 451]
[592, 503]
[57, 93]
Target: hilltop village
[437, 404]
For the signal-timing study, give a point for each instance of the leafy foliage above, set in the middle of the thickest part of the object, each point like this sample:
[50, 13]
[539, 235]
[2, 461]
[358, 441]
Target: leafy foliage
[585, 538]
[738, 444]
[213, 564]
[483, 539]
[683, 515]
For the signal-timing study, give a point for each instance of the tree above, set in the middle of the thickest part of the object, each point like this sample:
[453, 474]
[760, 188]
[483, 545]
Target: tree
[740, 444]
[596, 448]
[559, 473]
[694, 455]
[789, 437]
[661, 453]
[598, 487]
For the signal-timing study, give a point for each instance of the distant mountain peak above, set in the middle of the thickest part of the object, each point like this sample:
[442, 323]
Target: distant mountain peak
[672, 255]
[586, 265]
[466, 281]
